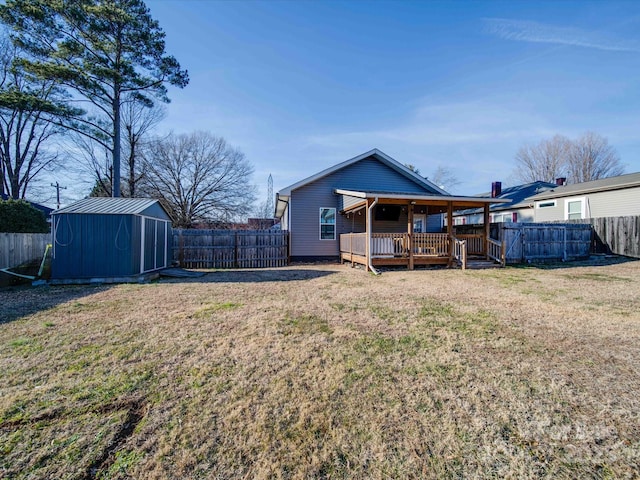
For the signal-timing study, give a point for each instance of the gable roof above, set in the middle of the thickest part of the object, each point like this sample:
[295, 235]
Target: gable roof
[110, 205]
[612, 183]
[378, 155]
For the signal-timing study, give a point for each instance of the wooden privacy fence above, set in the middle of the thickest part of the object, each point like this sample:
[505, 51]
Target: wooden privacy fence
[18, 248]
[545, 242]
[230, 248]
[619, 235]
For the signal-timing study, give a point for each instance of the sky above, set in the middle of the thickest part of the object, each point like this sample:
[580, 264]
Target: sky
[299, 86]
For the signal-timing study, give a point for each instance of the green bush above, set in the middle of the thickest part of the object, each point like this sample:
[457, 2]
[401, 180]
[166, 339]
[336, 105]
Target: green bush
[18, 216]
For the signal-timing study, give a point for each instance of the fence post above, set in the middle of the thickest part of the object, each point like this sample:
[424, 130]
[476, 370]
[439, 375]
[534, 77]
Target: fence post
[236, 262]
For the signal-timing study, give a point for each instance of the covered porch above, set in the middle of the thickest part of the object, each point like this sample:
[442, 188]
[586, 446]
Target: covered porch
[408, 245]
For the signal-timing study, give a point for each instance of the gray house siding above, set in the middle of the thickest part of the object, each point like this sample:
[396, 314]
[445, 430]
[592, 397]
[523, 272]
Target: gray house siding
[613, 203]
[306, 201]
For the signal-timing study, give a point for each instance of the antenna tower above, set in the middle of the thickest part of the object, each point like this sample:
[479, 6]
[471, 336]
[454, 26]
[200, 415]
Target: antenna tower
[270, 206]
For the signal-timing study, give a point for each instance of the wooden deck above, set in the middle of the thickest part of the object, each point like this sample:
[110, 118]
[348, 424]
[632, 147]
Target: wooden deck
[418, 249]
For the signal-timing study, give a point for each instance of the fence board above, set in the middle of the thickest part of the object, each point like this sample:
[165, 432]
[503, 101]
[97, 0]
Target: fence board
[18, 248]
[542, 242]
[619, 235]
[231, 248]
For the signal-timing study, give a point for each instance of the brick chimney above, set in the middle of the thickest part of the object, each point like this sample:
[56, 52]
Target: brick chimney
[560, 181]
[496, 189]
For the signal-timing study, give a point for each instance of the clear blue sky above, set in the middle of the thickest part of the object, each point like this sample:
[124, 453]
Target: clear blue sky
[301, 85]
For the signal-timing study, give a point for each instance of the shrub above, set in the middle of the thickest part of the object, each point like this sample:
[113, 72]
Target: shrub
[18, 216]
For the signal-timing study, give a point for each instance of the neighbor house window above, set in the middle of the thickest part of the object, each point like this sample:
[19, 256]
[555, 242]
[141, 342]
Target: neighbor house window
[547, 204]
[502, 217]
[327, 224]
[574, 209]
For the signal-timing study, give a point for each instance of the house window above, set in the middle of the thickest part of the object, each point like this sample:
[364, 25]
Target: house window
[574, 209]
[547, 204]
[327, 224]
[502, 217]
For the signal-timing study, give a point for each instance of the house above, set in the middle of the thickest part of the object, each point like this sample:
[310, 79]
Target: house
[373, 210]
[609, 197]
[46, 211]
[517, 208]
[106, 240]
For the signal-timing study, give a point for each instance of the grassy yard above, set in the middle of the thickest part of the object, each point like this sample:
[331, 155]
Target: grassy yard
[326, 372]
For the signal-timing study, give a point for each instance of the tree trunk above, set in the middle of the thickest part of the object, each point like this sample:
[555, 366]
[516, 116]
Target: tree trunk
[115, 191]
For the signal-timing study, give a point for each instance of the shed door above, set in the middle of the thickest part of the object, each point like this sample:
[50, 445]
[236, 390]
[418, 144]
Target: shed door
[149, 244]
[160, 245]
[155, 244]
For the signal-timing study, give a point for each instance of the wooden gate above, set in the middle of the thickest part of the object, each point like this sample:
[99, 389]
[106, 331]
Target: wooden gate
[538, 242]
[231, 248]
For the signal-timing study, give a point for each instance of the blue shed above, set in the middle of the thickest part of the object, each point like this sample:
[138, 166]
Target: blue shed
[110, 240]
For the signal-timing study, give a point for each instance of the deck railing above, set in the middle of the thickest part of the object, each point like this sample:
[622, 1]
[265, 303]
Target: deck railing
[396, 244]
[389, 244]
[495, 250]
[353, 243]
[431, 244]
[460, 252]
[475, 243]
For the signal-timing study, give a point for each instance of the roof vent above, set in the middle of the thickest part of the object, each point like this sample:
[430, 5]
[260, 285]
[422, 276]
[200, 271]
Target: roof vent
[560, 181]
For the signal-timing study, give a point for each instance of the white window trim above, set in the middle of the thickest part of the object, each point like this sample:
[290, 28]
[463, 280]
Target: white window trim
[550, 204]
[502, 215]
[583, 206]
[320, 224]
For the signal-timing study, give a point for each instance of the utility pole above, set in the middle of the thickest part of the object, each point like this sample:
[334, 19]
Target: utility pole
[2, 179]
[58, 187]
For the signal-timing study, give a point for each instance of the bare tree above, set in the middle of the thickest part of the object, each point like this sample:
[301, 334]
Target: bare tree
[444, 178]
[544, 161]
[200, 177]
[138, 121]
[25, 125]
[591, 158]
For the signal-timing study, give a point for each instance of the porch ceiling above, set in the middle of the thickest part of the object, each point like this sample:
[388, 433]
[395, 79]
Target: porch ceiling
[417, 199]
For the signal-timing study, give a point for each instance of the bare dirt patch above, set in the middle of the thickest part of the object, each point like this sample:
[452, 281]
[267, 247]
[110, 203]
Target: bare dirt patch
[326, 372]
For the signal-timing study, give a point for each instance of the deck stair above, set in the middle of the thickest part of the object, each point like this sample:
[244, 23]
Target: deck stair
[480, 263]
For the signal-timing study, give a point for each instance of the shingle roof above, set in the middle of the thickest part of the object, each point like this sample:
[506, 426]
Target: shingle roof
[515, 197]
[109, 205]
[612, 183]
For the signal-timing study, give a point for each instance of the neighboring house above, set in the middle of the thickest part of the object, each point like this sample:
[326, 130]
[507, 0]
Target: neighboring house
[45, 210]
[609, 197]
[518, 207]
[392, 215]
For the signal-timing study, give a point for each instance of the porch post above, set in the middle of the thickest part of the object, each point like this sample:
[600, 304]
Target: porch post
[450, 230]
[410, 232]
[487, 230]
[367, 229]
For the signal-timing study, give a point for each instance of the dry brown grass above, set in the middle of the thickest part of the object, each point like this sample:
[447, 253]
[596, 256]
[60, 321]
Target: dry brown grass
[326, 372]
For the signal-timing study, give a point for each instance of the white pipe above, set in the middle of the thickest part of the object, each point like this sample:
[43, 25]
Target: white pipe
[370, 224]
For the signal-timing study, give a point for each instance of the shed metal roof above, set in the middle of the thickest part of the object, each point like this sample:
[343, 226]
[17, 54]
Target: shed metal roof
[109, 205]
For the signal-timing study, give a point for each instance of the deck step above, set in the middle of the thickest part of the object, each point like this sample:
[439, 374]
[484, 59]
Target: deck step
[477, 264]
